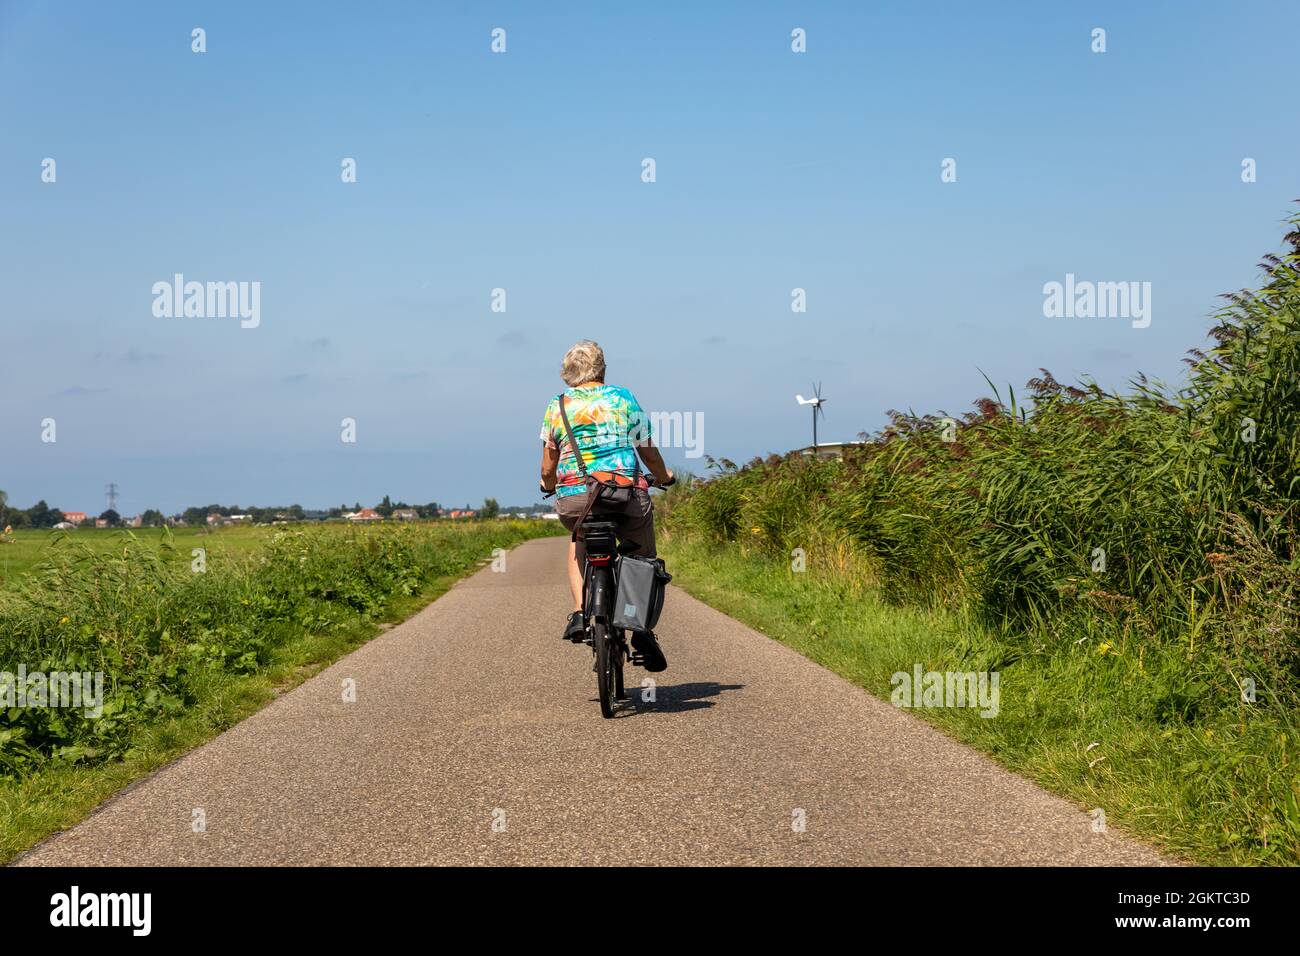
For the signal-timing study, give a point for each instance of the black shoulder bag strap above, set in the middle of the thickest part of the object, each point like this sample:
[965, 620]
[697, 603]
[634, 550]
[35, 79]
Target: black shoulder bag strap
[573, 442]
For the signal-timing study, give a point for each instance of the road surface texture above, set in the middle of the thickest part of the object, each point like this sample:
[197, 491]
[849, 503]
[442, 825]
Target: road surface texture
[476, 738]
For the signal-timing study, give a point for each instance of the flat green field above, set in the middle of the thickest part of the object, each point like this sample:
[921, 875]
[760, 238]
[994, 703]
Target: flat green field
[23, 551]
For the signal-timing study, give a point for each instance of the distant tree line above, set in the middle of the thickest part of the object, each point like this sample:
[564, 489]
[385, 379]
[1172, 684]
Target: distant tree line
[41, 515]
[199, 514]
[386, 508]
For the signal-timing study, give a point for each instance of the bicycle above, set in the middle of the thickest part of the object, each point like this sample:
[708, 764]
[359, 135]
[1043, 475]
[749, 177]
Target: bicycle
[608, 643]
[599, 586]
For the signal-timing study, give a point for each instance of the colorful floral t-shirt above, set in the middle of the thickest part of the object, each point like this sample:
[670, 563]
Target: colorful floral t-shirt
[607, 424]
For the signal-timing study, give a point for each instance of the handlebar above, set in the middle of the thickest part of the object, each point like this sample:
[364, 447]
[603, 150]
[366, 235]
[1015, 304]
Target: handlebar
[654, 483]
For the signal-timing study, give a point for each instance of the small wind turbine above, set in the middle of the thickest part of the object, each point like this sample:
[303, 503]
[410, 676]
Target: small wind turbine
[816, 402]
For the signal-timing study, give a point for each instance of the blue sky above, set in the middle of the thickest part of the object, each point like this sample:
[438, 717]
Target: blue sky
[522, 171]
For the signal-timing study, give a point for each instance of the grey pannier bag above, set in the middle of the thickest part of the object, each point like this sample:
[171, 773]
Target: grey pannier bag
[640, 598]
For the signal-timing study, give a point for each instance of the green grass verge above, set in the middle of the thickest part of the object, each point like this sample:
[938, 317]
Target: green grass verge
[1087, 724]
[58, 793]
[24, 550]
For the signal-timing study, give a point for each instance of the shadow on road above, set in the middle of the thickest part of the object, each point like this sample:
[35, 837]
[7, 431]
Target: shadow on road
[674, 698]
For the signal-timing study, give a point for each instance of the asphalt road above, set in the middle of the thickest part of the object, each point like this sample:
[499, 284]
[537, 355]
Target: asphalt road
[475, 738]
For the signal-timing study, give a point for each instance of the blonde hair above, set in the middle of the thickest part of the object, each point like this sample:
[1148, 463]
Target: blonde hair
[585, 362]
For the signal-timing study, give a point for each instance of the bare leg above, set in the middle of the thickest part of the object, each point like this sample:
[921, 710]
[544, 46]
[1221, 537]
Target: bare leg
[575, 577]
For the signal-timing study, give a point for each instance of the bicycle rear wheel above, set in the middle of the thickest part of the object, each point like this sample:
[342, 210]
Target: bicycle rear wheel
[606, 654]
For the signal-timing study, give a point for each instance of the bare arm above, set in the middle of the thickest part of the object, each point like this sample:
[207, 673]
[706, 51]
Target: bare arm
[654, 461]
[550, 460]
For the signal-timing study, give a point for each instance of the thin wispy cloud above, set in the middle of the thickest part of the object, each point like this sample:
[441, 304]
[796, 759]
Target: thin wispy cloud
[514, 339]
[132, 356]
[140, 357]
[1109, 355]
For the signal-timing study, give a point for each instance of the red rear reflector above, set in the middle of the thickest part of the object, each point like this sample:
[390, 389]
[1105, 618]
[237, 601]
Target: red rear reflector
[600, 560]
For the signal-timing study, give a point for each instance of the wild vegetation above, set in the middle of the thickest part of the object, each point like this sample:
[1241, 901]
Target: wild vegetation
[165, 629]
[1150, 534]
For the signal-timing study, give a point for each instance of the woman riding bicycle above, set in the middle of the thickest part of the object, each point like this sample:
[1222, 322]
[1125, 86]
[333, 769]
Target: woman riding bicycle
[607, 423]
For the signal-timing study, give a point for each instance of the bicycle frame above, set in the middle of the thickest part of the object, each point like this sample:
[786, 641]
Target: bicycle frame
[599, 587]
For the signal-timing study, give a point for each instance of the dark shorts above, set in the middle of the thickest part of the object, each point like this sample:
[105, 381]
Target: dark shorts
[635, 520]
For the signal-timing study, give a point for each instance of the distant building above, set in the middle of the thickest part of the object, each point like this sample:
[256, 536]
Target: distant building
[101, 522]
[365, 514]
[405, 514]
[74, 517]
[65, 526]
[216, 520]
